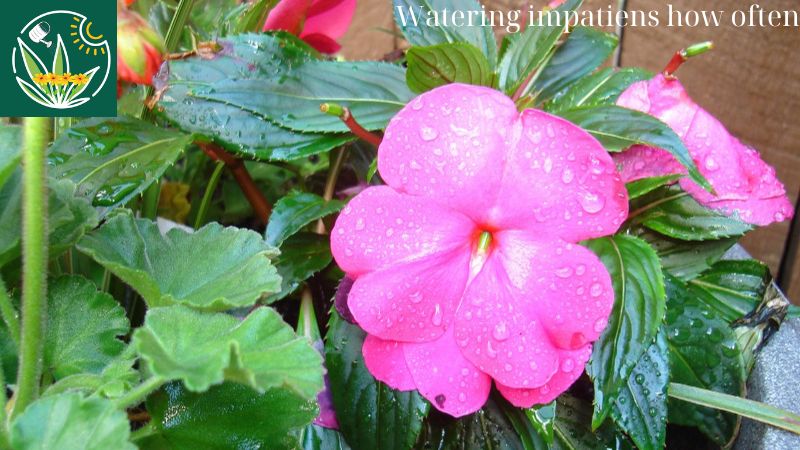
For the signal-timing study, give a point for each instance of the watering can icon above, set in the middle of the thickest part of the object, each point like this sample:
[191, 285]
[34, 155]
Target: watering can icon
[39, 32]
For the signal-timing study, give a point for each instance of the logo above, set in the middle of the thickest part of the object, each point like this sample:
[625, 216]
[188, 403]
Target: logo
[62, 62]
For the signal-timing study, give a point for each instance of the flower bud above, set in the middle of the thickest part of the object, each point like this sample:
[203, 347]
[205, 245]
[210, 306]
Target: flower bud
[139, 48]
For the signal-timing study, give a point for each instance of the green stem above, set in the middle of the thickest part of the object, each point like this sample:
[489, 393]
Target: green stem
[761, 412]
[4, 442]
[335, 168]
[34, 259]
[150, 200]
[210, 188]
[139, 393]
[9, 314]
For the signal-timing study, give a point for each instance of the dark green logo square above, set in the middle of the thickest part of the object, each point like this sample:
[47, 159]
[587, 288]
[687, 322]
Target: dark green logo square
[58, 58]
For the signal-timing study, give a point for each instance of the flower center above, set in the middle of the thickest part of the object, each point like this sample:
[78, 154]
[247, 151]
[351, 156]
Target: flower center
[480, 254]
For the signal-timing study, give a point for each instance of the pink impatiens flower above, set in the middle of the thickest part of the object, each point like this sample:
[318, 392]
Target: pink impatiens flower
[745, 185]
[466, 265]
[318, 22]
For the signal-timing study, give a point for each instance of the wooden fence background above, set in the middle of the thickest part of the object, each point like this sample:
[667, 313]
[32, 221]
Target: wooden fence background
[750, 81]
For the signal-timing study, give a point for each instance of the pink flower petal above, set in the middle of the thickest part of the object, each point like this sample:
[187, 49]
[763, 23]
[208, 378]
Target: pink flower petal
[330, 18]
[386, 362]
[449, 145]
[380, 228]
[531, 300]
[288, 15]
[559, 180]
[745, 185]
[321, 43]
[411, 302]
[450, 382]
[571, 365]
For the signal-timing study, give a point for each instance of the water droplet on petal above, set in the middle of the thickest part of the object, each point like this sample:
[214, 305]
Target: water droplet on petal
[600, 325]
[596, 290]
[567, 176]
[567, 365]
[428, 133]
[592, 203]
[564, 272]
[711, 164]
[500, 331]
[360, 224]
[436, 319]
[548, 165]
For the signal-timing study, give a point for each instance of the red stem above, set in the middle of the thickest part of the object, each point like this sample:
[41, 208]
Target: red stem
[343, 113]
[675, 63]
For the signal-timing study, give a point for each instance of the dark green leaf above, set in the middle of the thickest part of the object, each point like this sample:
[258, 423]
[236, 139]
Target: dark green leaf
[640, 409]
[735, 287]
[702, 353]
[10, 150]
[674, 213]
[644, 186]
[635, 318]
[583, 51]
[113, 160]
[686, 259]
[214, 268]
[419, 33]
[542, 417]
[600, 88]
[229, 417]
[371, 414]
[573, 429]
[203, 349]
[82, 328]
[437, 65]
[302, 255]
[531, 48]
[296, 210]
[618, 128]
[71, 422]
[236, 129]
[315, 437]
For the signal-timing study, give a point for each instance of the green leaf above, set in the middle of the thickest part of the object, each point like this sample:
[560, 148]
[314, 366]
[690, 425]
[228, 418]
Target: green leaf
[253, 17]
[618, 128]
[640, 409]
[296, 210]
[228, 416]
[116, 378]
[82, 328]
[69, 217]
[674, 213]
[71, 422]
[531, 48]
[238, 130]
[644, 186]
[10, 150]
[437, 65]
[419, 33]
[735, 287]
[573, 428]
[702, 353]
[302, 255]
[600, 88]
[113, 160]
[543, 418]
[315, 437]
[639, 305]
[370, 414]
[203, 349]
[61, 58]
[214, 268]
[683, 259]
[583, 51]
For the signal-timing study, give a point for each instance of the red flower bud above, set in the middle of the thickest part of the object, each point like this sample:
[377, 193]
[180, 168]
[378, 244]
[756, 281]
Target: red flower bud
[139, 48]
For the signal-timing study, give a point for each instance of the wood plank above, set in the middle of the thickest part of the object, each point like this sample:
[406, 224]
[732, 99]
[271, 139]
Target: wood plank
[750, 81]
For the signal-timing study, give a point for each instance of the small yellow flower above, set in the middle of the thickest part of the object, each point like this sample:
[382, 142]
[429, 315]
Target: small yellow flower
[60, 80]
[49, 77]
[79, 79]
[39, 78]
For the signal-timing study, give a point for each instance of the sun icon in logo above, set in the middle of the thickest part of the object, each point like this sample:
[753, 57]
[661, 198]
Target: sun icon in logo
[57, 75]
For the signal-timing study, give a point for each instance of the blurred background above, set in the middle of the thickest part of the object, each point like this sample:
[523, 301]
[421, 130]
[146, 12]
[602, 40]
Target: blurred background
[750, 81]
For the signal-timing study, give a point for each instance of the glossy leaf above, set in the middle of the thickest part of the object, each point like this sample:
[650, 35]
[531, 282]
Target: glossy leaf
[683, 259]
[582, 52]
[639, 305]
[82, 328]
[112, 160]
[672, 212]
[437, 65]
[296, 210]
[370, 414]
[735, 287]
[238, 130]
[543, 417]
[302, 255]
[600, 88]
[618, 128]
[573, 428]
[702, 353]
[315, 437]
[69, 217]
[71, 422]
[532, 47]
[10, 150]
[203, 349]
[644, 186]
[228, 416]
[640, 409]
[214, 268]
[419, 33]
